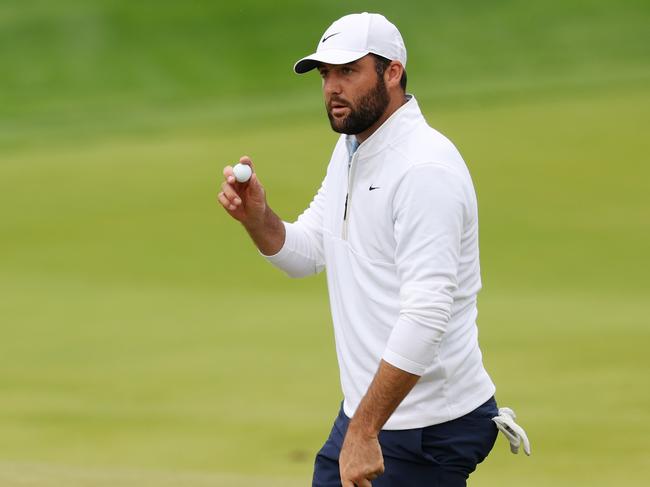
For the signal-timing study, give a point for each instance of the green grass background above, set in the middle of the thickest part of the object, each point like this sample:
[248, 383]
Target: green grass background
[143, 341]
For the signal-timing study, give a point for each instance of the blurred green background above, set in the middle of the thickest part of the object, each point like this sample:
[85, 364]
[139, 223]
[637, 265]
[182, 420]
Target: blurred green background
[143, 341]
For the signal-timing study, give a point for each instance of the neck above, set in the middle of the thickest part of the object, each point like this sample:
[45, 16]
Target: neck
[395, 103]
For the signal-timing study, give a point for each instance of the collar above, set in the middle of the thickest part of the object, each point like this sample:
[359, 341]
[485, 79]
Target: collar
[352, 144]
[399, 124]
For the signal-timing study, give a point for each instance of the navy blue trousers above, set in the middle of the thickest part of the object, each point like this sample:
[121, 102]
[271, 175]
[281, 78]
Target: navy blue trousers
[441, 455]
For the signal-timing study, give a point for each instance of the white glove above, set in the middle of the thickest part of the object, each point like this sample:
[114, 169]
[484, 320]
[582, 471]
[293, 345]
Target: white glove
[516, 435]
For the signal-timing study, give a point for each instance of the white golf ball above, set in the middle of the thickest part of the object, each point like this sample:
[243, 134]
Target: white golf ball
[242, 172]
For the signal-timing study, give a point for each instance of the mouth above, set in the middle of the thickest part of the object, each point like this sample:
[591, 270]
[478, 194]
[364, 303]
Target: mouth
[338, 109]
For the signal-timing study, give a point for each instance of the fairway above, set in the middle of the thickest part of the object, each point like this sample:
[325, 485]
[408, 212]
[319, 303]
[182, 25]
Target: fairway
[144, 341]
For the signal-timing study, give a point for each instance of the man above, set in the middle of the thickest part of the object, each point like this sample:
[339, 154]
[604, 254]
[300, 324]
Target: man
[395, 224]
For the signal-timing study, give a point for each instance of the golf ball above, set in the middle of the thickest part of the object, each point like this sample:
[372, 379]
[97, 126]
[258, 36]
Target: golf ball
[242, 172]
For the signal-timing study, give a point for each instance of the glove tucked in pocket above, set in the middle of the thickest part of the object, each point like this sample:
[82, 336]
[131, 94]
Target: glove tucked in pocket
[516, 435]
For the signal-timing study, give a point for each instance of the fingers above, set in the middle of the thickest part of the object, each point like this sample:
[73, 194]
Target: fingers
[229, 175]
[228, 197]
[361, 480]
[247, 160]
[356, 483]
[229, 191]
[225, 202]
[513, 432]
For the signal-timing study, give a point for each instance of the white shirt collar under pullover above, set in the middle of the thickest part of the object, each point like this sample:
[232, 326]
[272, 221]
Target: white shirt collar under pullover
[397, 231]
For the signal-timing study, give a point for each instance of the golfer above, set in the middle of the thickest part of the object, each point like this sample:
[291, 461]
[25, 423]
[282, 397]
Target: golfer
[395, 224]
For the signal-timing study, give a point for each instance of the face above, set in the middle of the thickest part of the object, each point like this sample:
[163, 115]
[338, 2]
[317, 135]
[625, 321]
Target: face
[355, 95]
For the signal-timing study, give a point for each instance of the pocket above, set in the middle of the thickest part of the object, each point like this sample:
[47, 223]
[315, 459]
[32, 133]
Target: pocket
[403, 445]
[460, 444]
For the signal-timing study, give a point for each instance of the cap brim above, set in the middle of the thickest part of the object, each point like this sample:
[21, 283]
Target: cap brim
[331, 56]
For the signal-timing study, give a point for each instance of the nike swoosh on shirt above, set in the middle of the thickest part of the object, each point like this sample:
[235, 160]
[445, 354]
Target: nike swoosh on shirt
[331, 35]
[373, 187]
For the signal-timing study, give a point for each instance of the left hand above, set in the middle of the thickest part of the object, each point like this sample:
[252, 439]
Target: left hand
[360, 460]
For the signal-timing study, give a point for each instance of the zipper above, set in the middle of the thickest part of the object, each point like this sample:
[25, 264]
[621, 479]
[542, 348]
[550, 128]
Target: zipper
[348, 197]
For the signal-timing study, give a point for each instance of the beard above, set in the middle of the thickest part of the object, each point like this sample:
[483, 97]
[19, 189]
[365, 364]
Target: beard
[367, 110]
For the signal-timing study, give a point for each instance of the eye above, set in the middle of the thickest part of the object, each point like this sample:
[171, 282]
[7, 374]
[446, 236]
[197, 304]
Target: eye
[346, 70]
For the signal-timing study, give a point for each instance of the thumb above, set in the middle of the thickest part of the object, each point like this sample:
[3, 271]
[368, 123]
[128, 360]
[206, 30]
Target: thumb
[255, 190]
[248, 161]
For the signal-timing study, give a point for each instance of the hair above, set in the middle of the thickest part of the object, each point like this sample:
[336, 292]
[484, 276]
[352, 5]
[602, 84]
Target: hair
[382, 63]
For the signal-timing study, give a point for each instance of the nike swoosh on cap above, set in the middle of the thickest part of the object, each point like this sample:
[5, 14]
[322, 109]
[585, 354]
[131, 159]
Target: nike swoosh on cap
[331, 35]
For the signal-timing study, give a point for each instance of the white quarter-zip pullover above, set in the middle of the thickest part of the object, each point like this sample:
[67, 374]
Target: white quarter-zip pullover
[395, 224]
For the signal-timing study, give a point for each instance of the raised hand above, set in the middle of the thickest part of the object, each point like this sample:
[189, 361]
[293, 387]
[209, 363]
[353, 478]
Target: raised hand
[245, 202]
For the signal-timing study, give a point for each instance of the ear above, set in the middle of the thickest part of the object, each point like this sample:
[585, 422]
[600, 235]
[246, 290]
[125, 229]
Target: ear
[393, 74]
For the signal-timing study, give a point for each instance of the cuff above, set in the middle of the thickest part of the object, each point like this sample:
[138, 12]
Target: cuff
[294, 257]
[284, 250]
[413, 347]
[403, 363]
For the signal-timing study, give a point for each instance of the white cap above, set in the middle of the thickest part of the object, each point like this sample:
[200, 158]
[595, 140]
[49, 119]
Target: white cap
[352, 37]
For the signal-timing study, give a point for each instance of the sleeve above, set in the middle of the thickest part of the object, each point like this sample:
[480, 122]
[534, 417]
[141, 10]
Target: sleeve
[428, 213]
[302, 252]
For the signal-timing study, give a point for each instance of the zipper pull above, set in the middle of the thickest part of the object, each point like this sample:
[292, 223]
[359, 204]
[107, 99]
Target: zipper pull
[345, 212]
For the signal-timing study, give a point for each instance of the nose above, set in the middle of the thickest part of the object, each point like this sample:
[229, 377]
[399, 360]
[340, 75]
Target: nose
[331, 84]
